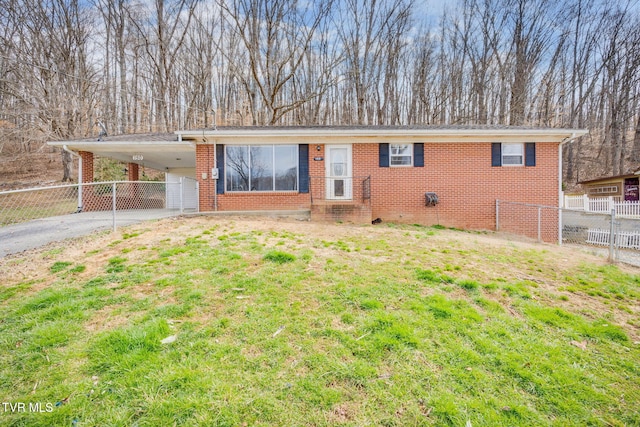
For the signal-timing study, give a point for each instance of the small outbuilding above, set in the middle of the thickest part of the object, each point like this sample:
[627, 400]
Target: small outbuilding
[623, 188]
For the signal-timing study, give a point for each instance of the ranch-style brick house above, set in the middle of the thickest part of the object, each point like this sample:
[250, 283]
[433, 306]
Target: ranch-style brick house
[448, 175]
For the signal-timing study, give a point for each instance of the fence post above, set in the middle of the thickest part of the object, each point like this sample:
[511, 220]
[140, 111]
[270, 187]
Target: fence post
[585, 203]
[113, 203]
[612, 235]
[181, 195]
[80, 197]
[497, 215]
[539, 224]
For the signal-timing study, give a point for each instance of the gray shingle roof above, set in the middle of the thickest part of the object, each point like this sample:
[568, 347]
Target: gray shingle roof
[135, 137]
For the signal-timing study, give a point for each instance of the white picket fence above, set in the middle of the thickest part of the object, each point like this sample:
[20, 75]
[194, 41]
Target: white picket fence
[623, 239]
[603, 205]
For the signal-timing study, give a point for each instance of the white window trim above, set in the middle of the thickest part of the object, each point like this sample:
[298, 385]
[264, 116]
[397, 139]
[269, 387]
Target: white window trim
[502, 155]
[410, 156]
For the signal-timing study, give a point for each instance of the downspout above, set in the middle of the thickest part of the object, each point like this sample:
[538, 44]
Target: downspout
[73, 153]
[215, 192]
[560, 192]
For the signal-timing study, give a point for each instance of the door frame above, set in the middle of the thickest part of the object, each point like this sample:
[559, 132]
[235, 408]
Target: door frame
[347, 179]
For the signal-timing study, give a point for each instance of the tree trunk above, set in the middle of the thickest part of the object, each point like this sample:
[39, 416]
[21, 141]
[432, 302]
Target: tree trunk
[67, 166]
[635, 153]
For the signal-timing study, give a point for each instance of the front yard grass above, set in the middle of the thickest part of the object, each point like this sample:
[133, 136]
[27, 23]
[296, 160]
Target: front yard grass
[241, 323]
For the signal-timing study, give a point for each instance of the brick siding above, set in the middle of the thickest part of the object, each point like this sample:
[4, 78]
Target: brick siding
[459, 173]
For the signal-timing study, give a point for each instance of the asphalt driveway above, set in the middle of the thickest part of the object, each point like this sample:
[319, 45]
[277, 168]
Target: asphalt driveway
[33, 234]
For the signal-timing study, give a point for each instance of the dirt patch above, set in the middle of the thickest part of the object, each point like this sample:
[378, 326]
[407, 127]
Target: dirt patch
[107, 318]
[36, 169]
[342, 413]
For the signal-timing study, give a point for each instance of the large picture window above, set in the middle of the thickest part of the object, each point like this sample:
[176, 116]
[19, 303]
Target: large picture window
[261, 167]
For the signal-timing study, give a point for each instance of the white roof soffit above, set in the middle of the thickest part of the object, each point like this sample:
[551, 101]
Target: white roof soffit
[375, 135]
[159, 155]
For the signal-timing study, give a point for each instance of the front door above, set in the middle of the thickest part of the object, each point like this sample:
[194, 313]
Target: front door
[338, 172]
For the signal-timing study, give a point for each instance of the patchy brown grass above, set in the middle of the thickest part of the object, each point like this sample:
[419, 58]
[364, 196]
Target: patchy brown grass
[459, 254]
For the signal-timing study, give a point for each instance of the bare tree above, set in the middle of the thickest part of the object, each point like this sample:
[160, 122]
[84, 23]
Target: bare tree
[166, 64]
[622, 73]
[276, 36]
[163, 35]
[54, 84]
[365, 29]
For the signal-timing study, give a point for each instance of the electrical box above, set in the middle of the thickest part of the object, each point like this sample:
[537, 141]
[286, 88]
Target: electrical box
[214, 173]
[430, 199]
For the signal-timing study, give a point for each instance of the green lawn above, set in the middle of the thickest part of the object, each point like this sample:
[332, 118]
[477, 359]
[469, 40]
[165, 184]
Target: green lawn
[225, 322]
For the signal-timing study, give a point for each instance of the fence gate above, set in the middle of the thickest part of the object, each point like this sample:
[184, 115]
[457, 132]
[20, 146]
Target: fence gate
[182, 193]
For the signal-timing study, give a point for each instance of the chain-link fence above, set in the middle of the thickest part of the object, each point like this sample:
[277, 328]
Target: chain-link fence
[139, 199]
[572, 227]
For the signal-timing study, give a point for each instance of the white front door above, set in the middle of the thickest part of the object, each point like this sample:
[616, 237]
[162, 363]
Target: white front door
[338, 164]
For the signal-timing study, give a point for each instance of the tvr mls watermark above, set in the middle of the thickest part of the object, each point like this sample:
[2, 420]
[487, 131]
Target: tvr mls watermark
[23, 407]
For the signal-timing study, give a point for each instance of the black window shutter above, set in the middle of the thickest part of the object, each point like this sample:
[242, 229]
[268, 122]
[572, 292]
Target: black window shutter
[418, 155]
[496, 154]
[220, 166]
[384, 155]
[303, 168]
[530, 154]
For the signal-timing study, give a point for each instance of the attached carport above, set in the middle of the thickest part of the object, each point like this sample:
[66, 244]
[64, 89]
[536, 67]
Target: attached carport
[164, 152]
[160, 151]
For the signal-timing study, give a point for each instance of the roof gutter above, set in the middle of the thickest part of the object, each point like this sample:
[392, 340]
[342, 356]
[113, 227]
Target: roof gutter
[73, 153]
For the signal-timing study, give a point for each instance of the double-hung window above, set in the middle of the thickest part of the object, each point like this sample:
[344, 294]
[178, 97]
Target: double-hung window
[261, 167]
[512, 154]
[401, 154]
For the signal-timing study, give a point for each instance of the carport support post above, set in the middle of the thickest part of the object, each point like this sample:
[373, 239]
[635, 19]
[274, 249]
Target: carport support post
[113, 202]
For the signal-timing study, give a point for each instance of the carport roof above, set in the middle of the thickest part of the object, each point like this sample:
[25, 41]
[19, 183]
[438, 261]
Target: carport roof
[159, 151]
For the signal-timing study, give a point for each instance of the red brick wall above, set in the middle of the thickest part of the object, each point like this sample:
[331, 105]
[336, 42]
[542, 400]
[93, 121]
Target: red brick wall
[87, 166]
[460, 173]
[133, 170]
[205, 160]
[464, 180]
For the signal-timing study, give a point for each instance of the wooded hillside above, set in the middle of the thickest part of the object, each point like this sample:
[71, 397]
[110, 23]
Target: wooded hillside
[67, 66]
